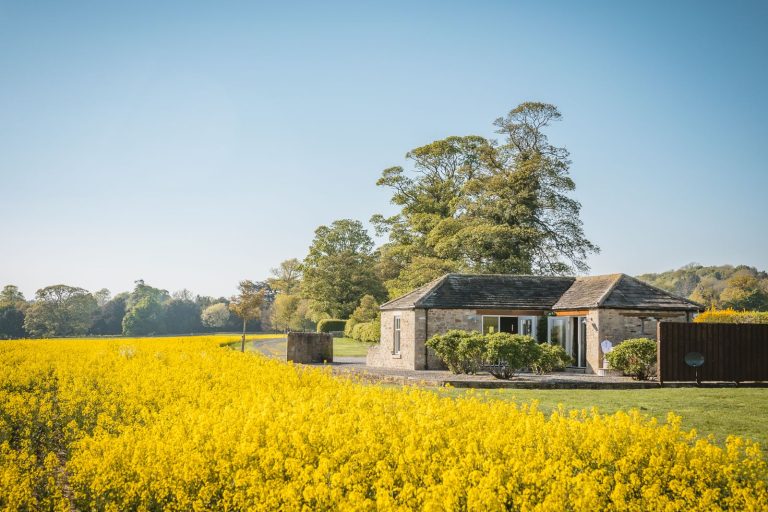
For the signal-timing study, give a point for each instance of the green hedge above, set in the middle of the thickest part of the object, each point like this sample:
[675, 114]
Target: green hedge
[501, 354]
[367, 332]
[331, 325]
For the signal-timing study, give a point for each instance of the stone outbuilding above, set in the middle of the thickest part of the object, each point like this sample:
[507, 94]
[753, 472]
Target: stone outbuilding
[577, 313]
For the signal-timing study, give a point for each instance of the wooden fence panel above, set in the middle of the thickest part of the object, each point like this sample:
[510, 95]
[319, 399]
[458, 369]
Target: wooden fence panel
[732, 352]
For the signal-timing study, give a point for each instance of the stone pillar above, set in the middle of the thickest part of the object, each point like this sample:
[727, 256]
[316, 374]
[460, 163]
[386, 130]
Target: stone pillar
[309, 347]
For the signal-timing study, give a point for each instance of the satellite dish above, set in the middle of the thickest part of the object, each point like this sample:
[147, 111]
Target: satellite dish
[694, 359]
[606, 345]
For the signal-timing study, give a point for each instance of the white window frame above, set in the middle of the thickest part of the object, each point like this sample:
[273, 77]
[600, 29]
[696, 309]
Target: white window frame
[520, 319]
[396, 334]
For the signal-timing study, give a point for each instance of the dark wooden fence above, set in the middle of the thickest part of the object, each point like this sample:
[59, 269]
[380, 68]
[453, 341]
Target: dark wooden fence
[732, 352]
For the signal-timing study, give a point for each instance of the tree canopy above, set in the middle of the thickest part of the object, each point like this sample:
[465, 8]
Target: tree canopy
[477, 205]
[340, 269]
[60, 310]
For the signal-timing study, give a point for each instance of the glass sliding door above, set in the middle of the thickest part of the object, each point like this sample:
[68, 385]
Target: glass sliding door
[570, 333]
[582, 359]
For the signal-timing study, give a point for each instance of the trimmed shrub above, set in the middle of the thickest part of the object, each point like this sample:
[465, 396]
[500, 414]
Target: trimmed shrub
[505, 353]
[551, 358]
[351, 323]
[731, 316]
[367, 332]
[635, 357]
[331, 325]
[461, 351]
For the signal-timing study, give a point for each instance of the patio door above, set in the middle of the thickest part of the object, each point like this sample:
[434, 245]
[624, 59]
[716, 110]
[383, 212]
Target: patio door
[570, 333]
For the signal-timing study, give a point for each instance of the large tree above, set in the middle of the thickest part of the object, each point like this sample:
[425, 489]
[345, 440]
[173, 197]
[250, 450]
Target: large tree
[12, 312]
[11, 321]
[108, 319]
[60, 310]
[340, 269]
[291, 312]
[182, 316]
[476, 205]
[286, 278]
[10, 294]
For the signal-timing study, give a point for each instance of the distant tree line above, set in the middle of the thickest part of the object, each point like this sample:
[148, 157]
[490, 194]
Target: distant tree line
[62, 310]
[738, 287]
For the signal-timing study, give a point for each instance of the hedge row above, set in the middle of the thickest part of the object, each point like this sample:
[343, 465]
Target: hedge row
[367, 332]
[731, 316]
[502, 354]
[331, 325]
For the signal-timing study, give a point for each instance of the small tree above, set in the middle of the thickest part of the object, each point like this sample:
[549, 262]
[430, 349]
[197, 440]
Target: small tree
[215, 315]
[635, 357]
[247, 305]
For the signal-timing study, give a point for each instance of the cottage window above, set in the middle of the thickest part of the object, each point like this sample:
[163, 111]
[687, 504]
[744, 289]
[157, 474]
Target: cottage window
[396, 337]
[490, 324]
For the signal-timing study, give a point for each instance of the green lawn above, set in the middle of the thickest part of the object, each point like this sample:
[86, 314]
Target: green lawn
[347, 347]
[716, 411]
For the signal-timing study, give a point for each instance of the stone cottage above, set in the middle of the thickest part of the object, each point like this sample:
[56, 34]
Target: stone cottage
[577, 313]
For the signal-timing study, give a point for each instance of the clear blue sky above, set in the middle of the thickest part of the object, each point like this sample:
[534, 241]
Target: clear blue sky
[194, 144]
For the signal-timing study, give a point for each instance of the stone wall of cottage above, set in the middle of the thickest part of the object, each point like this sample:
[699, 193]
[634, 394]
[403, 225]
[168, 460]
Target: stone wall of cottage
[617, 325]
[416, 326]
[413, 336]
[381, 355]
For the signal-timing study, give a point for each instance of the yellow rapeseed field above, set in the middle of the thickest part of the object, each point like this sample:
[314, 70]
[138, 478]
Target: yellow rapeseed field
[182, 424]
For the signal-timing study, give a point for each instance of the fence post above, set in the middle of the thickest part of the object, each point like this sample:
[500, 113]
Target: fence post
[659, 369]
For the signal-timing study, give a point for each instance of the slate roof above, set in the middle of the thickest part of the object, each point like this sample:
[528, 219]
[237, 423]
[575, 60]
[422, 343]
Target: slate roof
[506, 291]
[631, 293]
[502, 291]
[587, 292]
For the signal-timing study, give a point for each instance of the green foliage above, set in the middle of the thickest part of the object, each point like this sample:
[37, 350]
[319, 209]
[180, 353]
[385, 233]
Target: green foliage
[351, 323]
[287, 277]
[367, 332]
[470, 204]
[340, 269]
[108, 319]
[10, 294]
[461, 351]
[551, 358]
[506, 353]
[182, 316]
[142, 290]
[725, 286]
[331, 325]
[60, 310]
[11, 321]
[635, 357]
[291, 313]
[501, 354]
[144, 318]
[367, 311]
[730, 316]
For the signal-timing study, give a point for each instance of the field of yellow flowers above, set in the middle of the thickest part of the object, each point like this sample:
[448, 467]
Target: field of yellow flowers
[182, 424]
